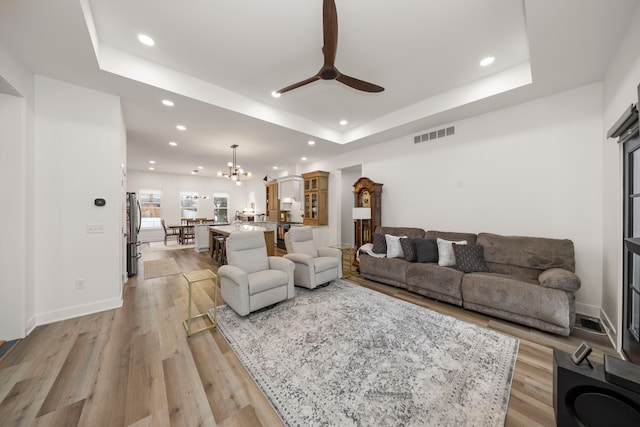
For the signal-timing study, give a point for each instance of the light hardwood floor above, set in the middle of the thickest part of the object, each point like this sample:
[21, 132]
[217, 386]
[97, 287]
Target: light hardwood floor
[134, 366]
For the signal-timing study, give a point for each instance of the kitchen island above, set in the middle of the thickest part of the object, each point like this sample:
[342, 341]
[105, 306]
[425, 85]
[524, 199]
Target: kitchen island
[226, 230]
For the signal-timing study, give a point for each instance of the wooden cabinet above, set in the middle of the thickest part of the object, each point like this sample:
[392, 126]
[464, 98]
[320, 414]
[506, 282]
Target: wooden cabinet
[273, 205]
[316, 198]
[367, 194]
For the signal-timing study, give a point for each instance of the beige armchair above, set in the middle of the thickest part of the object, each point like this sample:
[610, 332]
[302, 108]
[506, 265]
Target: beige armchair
[314, 266]
[252, 280]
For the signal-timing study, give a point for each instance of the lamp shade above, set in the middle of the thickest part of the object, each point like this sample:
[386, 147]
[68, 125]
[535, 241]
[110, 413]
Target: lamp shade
[361, 213]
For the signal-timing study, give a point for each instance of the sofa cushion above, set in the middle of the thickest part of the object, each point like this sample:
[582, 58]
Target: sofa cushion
[442, 283]
[470, 258]
[379, 243]
[410, 232]
[446, 257]
[393, 270]
[426, 250]
[559, 278]
[409, 249]
[523, 298]
[452, 236]
[394, 250]
[528, 252]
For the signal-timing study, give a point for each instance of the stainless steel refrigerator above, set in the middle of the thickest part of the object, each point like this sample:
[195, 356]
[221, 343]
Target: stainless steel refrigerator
[134, 220]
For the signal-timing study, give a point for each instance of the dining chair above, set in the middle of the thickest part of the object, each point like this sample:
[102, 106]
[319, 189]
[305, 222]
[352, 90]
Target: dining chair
[171, 232]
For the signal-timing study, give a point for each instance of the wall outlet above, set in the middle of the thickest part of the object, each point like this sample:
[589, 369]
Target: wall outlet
[80, 284]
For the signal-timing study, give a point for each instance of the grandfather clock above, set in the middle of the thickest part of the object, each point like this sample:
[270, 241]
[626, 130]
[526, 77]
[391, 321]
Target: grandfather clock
[367, 194]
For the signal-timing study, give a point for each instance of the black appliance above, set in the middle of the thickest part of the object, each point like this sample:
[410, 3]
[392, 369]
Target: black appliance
[590, 395]
[283, 227]
[134, 221]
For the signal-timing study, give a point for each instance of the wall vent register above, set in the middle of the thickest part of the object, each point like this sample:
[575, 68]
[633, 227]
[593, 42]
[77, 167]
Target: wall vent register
[434, 134]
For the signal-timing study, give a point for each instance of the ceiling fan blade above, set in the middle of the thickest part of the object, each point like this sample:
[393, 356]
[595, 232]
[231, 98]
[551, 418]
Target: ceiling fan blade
[358, 84]
[330, 32]
[297, 85]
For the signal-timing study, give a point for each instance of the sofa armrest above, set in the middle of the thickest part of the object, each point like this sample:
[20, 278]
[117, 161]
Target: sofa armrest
[282, 264]
[330, 252]
[299, 258]
[235, 274]
[559, 278]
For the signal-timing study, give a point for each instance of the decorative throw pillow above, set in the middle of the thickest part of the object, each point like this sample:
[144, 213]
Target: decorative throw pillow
[470, 258]
[409, 249]
[394, 249]
[426, 250]
[379, 243]
[446, 257]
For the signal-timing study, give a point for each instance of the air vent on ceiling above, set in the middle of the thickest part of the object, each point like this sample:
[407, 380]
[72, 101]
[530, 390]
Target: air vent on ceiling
[434, 134]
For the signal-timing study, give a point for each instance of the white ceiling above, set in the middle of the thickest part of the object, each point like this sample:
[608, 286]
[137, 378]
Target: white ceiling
[219, 61]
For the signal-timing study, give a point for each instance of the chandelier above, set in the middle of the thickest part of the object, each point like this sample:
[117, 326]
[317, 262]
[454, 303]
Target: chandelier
[235, 170]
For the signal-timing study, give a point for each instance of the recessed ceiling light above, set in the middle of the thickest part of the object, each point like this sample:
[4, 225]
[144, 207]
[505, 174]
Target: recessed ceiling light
[200, 167]
[173, 144]
[152, 169]
[167, 102]
[303, 158]
[312, 143]
[152, 162]
[487, 61]
[275, 167]
[276, 94]
[343, 122]
[181, 127]
[146, 40]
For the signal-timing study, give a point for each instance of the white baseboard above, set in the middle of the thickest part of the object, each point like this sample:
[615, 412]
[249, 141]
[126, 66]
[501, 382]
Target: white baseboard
[77, 311]
[598, 313]
[588, 310]
[30, 326]
[611, 330]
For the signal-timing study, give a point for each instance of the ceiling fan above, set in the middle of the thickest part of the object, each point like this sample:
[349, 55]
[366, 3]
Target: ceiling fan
[329, 70]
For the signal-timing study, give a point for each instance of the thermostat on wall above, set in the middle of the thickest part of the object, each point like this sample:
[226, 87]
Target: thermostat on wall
[99, 202]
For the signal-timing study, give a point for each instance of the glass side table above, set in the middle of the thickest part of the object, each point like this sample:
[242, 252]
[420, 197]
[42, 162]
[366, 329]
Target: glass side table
[195, 277]
[347, 250]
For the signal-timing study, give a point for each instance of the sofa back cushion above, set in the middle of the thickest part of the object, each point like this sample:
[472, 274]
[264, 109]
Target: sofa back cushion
[452, 236]
[410, 232]
[526, 254]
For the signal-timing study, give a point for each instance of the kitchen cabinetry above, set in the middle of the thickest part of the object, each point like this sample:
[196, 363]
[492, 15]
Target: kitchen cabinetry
[273, 205]
[316, 198]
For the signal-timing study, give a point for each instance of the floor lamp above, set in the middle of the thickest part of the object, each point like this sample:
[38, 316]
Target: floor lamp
[359, 216]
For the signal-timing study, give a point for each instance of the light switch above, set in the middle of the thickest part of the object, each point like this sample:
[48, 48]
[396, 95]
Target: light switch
[95, 228]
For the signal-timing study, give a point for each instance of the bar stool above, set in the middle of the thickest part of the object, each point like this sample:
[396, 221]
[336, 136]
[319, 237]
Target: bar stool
[220, 249]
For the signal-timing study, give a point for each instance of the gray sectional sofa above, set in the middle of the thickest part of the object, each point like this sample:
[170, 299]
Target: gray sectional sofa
[531, 281]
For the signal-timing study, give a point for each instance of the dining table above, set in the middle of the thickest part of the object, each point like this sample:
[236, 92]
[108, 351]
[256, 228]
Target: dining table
[183, 229]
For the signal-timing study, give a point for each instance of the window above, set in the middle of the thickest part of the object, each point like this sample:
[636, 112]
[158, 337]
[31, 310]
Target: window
[150, 208]
[220, 208]
[188, 204]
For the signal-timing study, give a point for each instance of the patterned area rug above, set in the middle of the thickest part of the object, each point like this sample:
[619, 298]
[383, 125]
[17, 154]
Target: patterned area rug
[345, 355]
[161, 267]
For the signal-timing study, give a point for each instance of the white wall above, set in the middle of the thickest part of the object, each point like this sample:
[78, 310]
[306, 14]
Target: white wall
[12, 244]
[533, 169]
[17, 312]
[252, 190]
[78, 157]
[620, 91]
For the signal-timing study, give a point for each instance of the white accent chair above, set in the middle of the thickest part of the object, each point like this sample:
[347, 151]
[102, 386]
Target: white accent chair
[314, 266]
[252, 280]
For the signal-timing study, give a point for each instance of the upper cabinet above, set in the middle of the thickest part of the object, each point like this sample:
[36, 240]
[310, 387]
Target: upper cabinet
[289, 191]
[316, 198]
